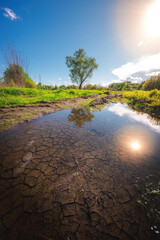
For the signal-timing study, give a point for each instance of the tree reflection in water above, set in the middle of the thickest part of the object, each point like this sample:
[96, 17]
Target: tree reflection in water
[79, 116]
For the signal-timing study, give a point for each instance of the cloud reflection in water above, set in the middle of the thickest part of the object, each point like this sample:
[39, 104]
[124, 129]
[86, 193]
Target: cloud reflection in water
[123, 110]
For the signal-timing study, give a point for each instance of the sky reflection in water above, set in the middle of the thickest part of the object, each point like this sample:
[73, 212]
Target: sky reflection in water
[123, 110]
[139, 134]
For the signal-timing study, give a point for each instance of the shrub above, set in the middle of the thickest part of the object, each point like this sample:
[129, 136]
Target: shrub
[72, 92]
[14, 76]
[154, 92]
[152, 83]
[29, 83]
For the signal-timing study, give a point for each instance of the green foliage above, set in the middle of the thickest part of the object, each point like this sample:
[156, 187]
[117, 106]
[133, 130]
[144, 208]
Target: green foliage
[72, 87]
[149, 200]
[127, 86]
[94, 87]
[148, 100]
[81, 67]
[14, 76]
[29, 83]
[143, 95]
[25, 96]
[154, 92]
[152, 83]
[72, 92]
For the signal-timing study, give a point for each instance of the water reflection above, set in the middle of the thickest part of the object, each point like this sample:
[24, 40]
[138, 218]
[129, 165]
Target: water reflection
[80, 116]
[123, 110]
[135, 145]
[136, 139]
[64, 182]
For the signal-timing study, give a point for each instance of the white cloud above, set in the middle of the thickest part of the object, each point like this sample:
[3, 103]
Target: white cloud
[10, 14]
[152, 74]
[144, 64]
[59, 79]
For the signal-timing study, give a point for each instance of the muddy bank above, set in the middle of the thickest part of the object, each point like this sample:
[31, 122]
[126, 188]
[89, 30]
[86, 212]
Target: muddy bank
[137, 104]
[105, 99]
[12, 116]
[154, 111]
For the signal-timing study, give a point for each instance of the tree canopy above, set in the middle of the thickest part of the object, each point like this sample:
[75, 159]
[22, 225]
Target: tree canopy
[81, 67]
[152, 83]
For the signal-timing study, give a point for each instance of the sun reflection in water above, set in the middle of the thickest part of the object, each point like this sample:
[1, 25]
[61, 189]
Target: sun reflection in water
[135, 145]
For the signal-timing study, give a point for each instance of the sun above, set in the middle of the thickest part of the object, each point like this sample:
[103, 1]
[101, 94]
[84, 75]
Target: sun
[135, 145]
[152, 20]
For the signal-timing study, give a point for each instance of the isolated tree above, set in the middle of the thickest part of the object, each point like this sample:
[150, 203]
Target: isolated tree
[81, 67]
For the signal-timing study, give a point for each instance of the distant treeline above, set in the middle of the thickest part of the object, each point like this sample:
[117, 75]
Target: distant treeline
[150, 84]
[15, 76]
[86, 87]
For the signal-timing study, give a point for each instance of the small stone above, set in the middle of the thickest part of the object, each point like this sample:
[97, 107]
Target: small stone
[27, 157]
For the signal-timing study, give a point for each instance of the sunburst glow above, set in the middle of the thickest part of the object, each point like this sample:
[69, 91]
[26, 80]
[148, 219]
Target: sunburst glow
[152, 20]
[135, 145]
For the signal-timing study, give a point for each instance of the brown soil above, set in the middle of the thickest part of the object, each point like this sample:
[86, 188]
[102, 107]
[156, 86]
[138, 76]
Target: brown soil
[12, 116]
[61, 182]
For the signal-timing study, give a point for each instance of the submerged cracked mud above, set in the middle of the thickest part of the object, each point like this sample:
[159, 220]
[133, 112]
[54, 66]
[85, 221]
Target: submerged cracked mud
[67, 179]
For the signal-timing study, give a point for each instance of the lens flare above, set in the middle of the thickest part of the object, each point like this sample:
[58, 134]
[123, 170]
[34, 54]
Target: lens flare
[135, 145]
[152, 20]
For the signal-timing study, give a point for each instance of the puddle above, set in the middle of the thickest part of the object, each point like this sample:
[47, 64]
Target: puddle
[80, 175]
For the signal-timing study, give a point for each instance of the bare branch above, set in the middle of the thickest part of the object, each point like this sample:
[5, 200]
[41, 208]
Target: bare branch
[13, 56]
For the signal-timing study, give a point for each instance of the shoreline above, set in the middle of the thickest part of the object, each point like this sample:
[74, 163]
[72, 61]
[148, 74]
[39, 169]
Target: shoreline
[15, 115]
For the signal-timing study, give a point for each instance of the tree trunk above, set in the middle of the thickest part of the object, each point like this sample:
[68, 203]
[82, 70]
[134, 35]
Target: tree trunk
[80, 85]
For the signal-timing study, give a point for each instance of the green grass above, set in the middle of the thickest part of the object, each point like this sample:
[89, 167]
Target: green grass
[26, 96]
[142, 95]
[146, 100]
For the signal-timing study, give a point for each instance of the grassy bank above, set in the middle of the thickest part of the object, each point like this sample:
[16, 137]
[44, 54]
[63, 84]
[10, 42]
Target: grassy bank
[26, 96]
[145, 100]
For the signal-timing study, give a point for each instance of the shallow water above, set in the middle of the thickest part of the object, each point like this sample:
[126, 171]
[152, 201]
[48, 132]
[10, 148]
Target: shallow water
[81, 175]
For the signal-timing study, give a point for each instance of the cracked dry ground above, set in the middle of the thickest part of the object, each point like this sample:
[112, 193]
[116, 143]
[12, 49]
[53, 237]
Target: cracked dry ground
[58, 181]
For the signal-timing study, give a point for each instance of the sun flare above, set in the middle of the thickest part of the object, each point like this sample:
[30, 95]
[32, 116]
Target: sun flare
[152, 20]
[135, 145]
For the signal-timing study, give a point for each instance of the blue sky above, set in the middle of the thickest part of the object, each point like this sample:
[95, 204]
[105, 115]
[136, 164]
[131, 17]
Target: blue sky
[111, 31]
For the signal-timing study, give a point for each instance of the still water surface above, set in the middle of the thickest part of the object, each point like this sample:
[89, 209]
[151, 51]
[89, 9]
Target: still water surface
[78, 175]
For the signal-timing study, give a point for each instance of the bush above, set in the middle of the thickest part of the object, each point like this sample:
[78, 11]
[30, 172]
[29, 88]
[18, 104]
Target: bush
[14, 76]
[154, 92]
[152, 83]
[29, 83]
[72, 92]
